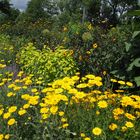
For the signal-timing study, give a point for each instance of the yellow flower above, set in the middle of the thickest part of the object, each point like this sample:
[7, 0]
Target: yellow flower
[104, 72]
[87, 138]
[33, 100]
[90, 27]
[17, 81]
[61, 113]
[129, 84]
[16, 88]
[82, 135]
[11, 121]
[96, 131]
[20, 73]
[34, 90]
[90, 76]
[45, 116]
[126, 100]
[80, 58]
[21, 112]
[12, 109]
[98, 83]
[25, 106]
[28, 82]
[11, 86]
[130, 116]
[39, 82]
[83, 85]
[1, 111]
[2, 66]
[124, 128]
[138, 114]
[59, 90]
[102, 104]
[112, 126]
[119, 91]
[95, 45]
[63, 120]
[1, 136]
[44, 110]
[121, 82]
[129, 124]
[7, 136]
[6, 115]
[65, 125]
[4, 80]
[104, 21]
[88, 52]
[44, 90]
[25, 96]
[118, 111]
[24, 87]
[80, 95]
[2, 83]
[54, 109]
[65, 29]
[97, 112]
[98, 78]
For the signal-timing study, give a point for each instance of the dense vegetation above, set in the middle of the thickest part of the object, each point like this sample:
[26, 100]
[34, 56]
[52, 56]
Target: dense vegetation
[70, 69]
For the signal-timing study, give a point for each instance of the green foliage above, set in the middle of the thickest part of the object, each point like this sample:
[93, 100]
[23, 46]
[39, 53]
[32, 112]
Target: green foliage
[7, 13]
[40, 9]
[48, 64]
[35, 9]
[7, 53]
[134, 13]
[69, 36]
[5, 6]
[137, 80]
[96, 50]
[134, 65]
[131, 60]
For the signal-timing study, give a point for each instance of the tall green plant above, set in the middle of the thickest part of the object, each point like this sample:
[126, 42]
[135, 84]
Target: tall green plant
[48, 64]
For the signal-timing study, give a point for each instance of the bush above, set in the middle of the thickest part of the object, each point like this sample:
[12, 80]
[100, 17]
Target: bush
[7, 50]
[95, 49]
[48, 64]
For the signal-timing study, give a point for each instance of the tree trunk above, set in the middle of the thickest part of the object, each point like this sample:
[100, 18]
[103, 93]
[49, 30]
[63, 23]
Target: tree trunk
[84, 14]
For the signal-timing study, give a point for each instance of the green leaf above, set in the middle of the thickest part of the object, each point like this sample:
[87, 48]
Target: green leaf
[137, 80]
[127, 46]
[136, 63]
[134, 13]
[114, 72]
[120, 77]
[135, 34]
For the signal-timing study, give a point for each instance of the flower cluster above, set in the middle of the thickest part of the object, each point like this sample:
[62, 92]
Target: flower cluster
[72, 107]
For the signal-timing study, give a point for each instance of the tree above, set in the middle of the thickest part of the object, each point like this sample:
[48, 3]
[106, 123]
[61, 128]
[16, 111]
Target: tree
[113, 10]
[41, 8]
[7, 11]
[96, 10]
[14, 13]
[5, 7]
[35, 9]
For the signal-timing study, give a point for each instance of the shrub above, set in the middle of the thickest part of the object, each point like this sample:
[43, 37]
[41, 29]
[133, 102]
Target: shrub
[48, 64]
[7, 50]
[95, 49]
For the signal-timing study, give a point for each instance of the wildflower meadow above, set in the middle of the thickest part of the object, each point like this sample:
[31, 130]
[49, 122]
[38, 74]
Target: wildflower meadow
[70, 70]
